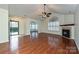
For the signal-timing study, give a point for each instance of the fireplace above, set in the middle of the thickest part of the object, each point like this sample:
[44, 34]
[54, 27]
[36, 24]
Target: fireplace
[66, 33]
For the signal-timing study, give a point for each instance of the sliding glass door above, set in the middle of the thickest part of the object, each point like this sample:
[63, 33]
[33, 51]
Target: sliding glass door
[14, 28]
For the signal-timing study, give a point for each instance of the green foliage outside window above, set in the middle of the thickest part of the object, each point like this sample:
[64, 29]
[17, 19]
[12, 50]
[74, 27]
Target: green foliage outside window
[14, 29]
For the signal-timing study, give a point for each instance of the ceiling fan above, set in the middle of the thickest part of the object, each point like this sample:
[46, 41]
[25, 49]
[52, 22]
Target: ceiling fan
[44, 13]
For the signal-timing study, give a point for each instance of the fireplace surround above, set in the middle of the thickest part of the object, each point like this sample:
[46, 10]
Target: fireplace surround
[68, 31]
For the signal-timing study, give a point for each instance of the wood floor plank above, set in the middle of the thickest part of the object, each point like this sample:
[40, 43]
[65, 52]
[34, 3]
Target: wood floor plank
[44, 43]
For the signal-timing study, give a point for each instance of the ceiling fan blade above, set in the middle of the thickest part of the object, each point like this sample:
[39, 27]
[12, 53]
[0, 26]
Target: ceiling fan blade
[48, 14]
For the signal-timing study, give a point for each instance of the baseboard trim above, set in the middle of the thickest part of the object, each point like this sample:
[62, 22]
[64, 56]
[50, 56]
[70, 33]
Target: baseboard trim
[4, 41]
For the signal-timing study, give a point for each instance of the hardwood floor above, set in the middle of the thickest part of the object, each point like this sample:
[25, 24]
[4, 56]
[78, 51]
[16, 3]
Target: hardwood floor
[42, 43]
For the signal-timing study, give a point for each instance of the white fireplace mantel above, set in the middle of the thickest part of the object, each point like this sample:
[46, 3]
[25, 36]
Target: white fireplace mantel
[71, 28]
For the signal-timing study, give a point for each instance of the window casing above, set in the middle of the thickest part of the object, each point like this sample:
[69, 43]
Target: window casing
[53, 26]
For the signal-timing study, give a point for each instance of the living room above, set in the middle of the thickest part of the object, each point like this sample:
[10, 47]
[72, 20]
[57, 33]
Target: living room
[50, 22]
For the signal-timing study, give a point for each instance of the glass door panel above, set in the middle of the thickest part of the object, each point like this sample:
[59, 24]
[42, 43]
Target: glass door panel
[14, 28]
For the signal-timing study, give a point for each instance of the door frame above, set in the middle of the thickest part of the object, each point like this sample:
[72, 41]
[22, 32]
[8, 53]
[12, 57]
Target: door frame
[9, 27]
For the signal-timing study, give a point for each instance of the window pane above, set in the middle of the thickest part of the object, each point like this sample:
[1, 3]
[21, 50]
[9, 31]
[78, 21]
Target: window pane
[53, 23]
[57, 28]
[57, 23]
[33, 26]
[53, 26]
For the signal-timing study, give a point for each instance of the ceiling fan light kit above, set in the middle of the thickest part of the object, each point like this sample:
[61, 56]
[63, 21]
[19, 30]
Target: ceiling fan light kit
[45, 14]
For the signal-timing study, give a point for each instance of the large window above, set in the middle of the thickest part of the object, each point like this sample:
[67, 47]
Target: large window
[53, 25]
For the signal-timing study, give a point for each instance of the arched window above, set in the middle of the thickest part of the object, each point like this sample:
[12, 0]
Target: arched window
[33, 29]
[53, 25]
[33, 26]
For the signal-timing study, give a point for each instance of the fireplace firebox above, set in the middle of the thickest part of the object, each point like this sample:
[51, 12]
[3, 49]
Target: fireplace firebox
[66, 33]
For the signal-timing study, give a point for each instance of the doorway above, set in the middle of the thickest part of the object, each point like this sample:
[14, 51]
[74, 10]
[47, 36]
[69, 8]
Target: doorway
[13, 28]
[13, 34]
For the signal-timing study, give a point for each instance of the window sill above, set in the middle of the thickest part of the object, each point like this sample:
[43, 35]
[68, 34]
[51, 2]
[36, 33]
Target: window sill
[53, 31]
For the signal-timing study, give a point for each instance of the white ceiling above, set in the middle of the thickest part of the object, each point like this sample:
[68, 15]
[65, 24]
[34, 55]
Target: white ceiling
[32, 10]
[63, 8]
[4, 6]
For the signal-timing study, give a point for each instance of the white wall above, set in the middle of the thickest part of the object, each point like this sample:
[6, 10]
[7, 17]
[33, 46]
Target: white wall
[77, 27]
[3, 25]
[68, 19]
